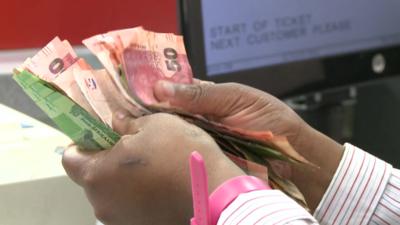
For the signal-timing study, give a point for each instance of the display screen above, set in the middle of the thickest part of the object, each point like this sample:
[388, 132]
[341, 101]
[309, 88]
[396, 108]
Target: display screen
[242, 35]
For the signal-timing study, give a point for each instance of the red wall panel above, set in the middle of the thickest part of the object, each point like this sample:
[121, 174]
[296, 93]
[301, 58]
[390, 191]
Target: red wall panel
[32, 23]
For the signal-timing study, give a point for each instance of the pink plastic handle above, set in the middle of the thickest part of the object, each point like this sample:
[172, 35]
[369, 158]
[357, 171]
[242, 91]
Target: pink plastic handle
[199, 191]
[208, 209]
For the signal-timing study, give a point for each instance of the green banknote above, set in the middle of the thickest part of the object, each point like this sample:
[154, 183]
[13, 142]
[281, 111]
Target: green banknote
[85, 130]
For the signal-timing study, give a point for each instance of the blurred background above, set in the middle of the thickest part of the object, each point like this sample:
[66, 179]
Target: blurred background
[28, 26]
[33, 186]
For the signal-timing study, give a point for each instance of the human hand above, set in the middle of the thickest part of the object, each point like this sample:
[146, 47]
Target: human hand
[234, 105]
[247, 108]
[145, 177]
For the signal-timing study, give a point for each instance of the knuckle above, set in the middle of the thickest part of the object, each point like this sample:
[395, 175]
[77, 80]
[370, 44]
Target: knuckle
[123, 142]
[163, 117]
[233, 85]
[236, 87]
[90, 180]
[195, 92]
[132, 126]
[104, 214]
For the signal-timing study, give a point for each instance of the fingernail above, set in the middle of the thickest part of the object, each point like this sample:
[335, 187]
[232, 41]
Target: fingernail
[168, 88]
[120, 115]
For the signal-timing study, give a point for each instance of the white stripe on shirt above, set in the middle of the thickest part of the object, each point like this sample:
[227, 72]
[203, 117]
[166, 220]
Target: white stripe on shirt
[388, 209]
[356, 189]
[264, 207]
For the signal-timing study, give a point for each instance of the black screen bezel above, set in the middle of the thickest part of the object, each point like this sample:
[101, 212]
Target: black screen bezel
[288, 79]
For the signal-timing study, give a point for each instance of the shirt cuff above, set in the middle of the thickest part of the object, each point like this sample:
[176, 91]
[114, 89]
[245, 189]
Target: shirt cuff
[355, 189]
[264, 207]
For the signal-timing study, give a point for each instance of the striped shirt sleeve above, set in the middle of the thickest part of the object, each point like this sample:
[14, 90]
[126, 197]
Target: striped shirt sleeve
[364, 190]
[388, 209]
[265, 207]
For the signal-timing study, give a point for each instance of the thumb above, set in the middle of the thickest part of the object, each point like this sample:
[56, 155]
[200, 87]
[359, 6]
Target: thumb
[203, 98]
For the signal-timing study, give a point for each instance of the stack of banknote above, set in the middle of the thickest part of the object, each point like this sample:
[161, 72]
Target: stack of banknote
[82, 100]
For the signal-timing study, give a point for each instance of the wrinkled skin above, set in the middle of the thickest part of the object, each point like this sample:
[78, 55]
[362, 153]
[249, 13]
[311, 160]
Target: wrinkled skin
[247, 108]
[144, 179]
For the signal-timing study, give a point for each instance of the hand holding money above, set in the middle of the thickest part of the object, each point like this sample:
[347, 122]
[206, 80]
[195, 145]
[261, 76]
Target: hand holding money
[83, 101]
[253, 110]
[150, 189]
